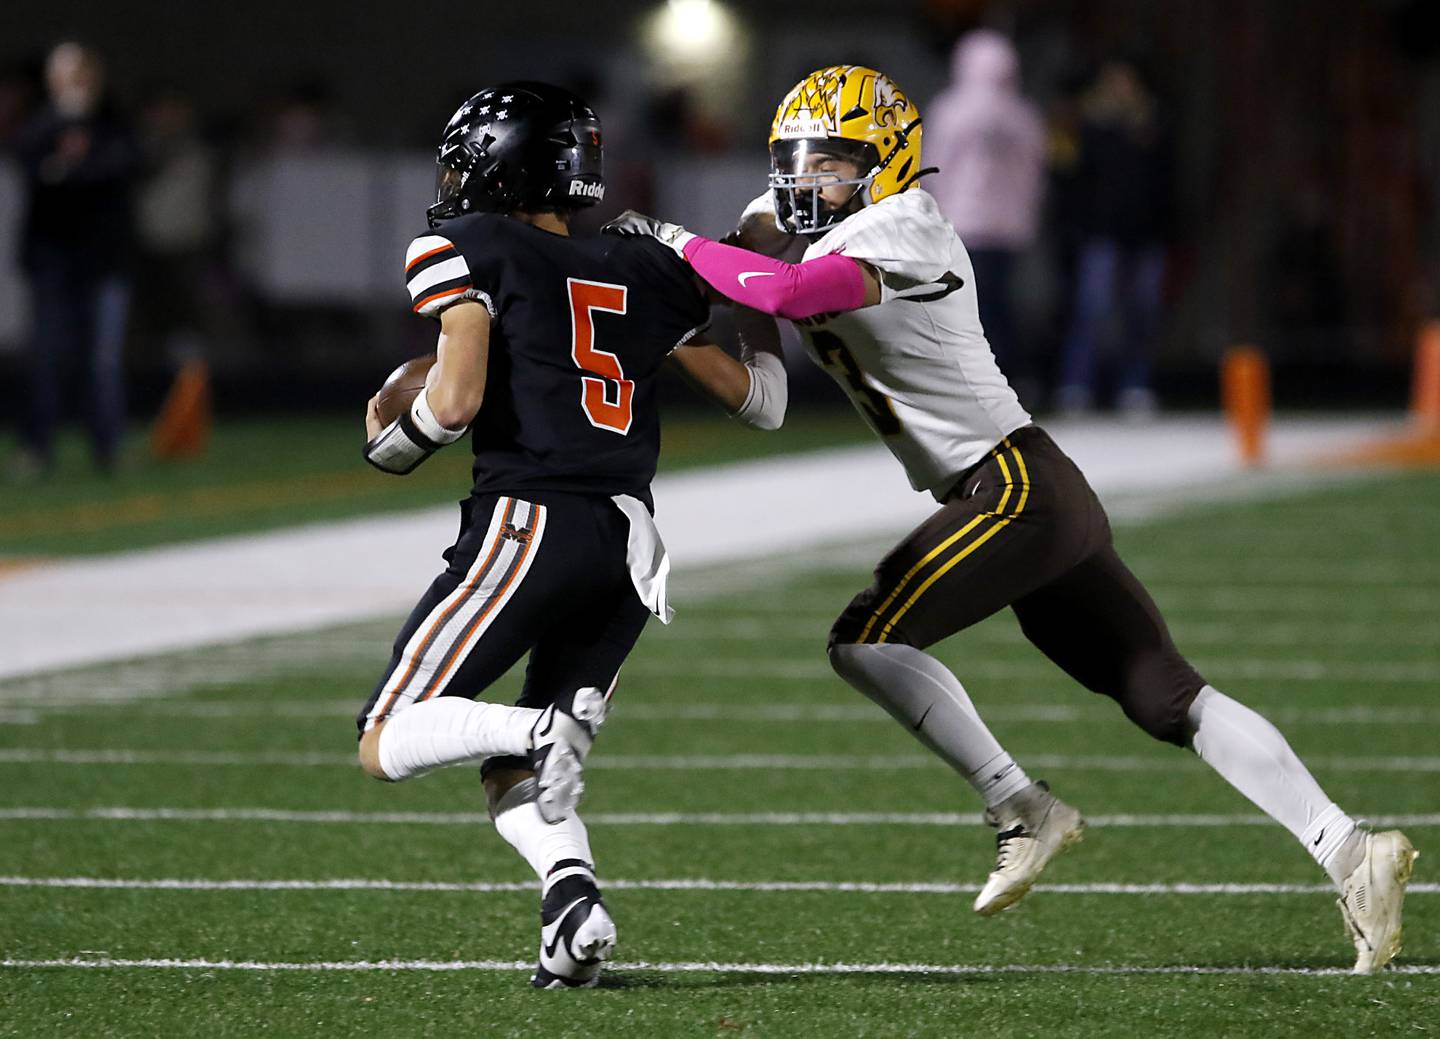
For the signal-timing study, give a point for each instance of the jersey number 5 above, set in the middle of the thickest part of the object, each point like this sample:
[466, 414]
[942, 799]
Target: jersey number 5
[606, 394]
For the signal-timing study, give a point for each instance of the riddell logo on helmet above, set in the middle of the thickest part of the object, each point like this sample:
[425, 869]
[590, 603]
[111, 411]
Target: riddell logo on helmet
[803, 128]
[584, 190]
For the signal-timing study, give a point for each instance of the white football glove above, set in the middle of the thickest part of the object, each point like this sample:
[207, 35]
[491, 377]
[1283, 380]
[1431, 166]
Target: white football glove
[631, 224]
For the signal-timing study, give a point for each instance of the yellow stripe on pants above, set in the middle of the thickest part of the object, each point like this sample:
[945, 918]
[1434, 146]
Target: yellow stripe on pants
[990, 532]
[999, 513]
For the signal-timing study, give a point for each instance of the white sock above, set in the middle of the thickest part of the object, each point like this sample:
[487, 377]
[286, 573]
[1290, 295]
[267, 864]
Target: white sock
[1254, 758]
[542, 844]
[920, 692]
[450, 730]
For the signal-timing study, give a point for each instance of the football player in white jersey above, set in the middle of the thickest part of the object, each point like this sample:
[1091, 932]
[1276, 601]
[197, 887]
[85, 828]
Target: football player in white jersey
[884, 296]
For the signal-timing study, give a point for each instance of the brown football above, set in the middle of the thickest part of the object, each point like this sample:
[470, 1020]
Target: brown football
[401, 387]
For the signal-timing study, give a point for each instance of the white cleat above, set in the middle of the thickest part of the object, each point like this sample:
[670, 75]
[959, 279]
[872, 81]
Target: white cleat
[1372, 897]
[577, 935]
[560, 740]
[1034, 826]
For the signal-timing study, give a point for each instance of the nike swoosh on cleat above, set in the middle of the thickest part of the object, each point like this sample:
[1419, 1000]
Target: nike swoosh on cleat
[550, 933]
[743, 275]
[921, 722]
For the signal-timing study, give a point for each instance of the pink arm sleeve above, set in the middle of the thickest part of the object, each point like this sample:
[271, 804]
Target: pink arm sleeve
[824, 285]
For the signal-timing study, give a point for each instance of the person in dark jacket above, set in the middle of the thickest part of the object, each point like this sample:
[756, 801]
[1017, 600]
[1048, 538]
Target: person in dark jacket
[1123, 195]
[78, 159]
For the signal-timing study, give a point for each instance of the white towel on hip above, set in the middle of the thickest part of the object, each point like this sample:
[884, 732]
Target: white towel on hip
[646, 557]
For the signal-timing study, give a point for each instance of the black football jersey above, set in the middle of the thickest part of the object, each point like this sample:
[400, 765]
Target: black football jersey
[580, 328]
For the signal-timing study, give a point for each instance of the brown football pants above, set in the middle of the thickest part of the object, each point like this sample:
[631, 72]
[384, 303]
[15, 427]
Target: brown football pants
[1023, 529]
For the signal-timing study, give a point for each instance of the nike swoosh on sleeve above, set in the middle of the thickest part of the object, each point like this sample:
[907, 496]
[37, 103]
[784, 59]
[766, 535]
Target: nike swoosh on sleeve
[753, 274]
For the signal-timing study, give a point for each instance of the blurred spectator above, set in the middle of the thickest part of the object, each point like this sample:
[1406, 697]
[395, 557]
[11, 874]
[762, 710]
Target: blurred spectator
[79, 161]
[1122, 195]
[303, 119]
[1303, 291]
[1061, 231]
[989, 143]
[175, 224]
[19, 93]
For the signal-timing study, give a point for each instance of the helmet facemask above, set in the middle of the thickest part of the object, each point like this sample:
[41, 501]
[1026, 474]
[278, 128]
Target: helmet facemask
[449, 190]
[801, 170]
[851, 112]
[456, 164]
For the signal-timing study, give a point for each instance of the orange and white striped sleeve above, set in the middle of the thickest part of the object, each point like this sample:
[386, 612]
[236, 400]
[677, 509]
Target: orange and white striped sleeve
[437, 276]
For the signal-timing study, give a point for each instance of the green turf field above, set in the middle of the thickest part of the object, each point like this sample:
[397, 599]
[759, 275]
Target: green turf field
[757, 822]
[261, 474]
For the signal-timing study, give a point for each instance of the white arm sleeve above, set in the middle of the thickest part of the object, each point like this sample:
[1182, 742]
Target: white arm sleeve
[764, 406]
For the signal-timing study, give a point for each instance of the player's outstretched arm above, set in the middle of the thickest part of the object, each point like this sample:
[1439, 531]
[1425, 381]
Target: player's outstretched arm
[441, 411]
[824, 285]
[752, 389]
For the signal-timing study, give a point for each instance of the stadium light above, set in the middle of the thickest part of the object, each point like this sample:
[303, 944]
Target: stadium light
[701, 31]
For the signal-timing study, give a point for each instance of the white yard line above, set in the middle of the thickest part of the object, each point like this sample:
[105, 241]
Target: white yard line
[1293, 670]
[1083, 710]
[341, 817]
[196, 670]
[1182, 605]
[167, 599]
[1287, 573]
[796, 886]
[1369, 636]
[691, 762]
[446, 966]
[165, 678]
[1228, 599]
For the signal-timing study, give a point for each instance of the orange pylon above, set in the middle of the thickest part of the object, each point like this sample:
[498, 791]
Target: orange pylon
[183, 427]
[1245, 392]
[1425, 394]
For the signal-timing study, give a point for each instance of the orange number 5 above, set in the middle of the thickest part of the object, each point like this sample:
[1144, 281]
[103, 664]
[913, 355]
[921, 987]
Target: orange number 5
[605, 394]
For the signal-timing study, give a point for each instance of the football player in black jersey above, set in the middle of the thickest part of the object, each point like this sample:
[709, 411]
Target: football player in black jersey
[548, 352]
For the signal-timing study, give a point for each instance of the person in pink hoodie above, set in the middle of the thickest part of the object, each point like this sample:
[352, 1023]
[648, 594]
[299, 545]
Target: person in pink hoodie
[988, 141]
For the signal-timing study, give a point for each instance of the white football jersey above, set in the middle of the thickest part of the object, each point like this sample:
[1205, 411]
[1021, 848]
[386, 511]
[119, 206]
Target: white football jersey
[916, 365]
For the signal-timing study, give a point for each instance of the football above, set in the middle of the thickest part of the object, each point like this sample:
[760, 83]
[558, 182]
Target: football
[401, 386]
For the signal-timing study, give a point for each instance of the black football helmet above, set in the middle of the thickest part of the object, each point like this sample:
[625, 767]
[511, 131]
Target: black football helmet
[520, 145]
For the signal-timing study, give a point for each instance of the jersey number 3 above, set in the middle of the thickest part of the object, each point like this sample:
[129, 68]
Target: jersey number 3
[606, 394]
[873, 404]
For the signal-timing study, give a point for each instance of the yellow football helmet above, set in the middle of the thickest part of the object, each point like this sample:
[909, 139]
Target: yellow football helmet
[850, 112]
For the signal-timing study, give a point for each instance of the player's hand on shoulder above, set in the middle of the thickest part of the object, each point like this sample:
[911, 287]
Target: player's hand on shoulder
[631, 224]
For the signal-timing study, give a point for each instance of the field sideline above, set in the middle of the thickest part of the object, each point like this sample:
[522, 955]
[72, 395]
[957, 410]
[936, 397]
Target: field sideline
[332, 570]
[187, 852]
